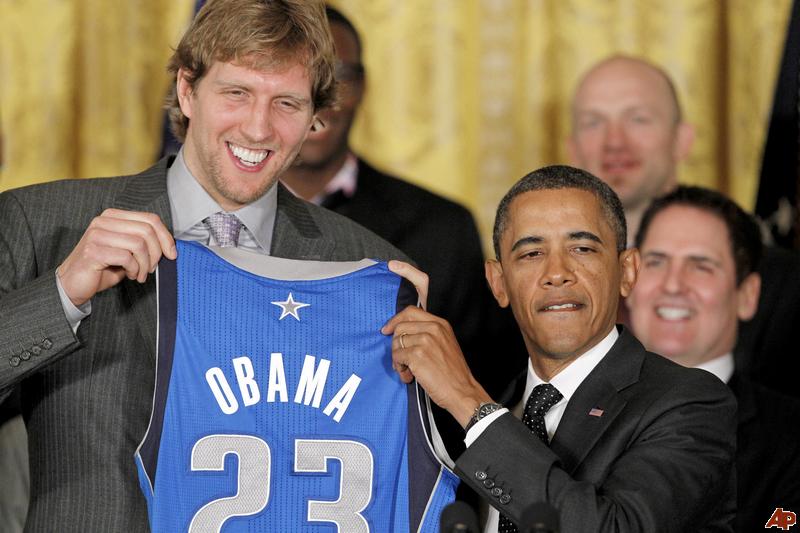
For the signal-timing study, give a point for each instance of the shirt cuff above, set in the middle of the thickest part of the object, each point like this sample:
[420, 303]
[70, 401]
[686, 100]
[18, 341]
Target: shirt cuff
[476, 430]
[74, 313]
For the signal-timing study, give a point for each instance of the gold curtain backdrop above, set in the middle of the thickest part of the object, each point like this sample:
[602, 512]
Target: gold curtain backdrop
[464, 96]
[82, 83]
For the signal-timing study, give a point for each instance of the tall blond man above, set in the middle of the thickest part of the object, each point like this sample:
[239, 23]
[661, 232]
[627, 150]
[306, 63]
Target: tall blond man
[77, 298]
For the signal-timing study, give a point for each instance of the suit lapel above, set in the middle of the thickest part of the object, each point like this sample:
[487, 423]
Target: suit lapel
[296, 234]
[597, 402]
[146, 192]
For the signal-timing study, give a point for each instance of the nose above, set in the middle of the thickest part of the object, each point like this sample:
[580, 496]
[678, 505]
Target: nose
[557, 270]
[673, 281]
[615, 135]
[256, 124]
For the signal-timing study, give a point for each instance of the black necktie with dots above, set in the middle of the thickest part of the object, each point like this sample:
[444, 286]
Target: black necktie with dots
[542, 398]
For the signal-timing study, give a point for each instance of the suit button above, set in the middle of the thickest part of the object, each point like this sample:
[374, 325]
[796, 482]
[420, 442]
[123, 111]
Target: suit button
[25, 355]
[488, 483]
[47, 343]
[36, 349]
[13, 360]
[505, 498]
[480, 475]
[497, 492]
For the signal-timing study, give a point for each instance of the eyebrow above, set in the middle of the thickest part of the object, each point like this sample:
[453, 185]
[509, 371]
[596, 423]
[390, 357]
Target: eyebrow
[692, 258]
[584, 235]
[527, 240]
[573, 236]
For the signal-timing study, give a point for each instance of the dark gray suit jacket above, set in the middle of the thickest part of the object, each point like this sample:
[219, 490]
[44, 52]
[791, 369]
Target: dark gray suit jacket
[659, 458]
[87, 398]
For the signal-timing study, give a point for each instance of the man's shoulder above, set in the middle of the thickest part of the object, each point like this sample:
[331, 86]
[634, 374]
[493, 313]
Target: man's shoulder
[352, 241]
[66, 192]
[659, 377]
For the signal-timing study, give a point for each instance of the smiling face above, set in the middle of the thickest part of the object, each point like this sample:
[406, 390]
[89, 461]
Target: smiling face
[560, 271]
[626, 130]
[686, 303]
[245, 128]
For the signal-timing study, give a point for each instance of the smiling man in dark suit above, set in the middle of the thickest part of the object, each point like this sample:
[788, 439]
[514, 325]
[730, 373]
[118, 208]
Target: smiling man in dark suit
[77, 301]
[614, 437]
[700, 254]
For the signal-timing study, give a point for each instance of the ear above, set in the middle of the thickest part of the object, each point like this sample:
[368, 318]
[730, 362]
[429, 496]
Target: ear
[684, 141]
[184, 90]
[747, 296]
[629, 268]
[494, 275]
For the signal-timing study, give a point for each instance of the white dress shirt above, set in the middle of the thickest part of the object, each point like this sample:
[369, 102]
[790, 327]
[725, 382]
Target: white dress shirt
[721, 366]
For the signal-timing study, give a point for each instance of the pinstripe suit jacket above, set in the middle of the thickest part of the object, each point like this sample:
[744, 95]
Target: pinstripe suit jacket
[87, 397]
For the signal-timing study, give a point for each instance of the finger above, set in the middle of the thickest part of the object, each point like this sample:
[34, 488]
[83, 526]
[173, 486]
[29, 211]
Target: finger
[409, 315]
[417, 278]
[132, 246]
[399, 355]
[162, 240]
[134, 228]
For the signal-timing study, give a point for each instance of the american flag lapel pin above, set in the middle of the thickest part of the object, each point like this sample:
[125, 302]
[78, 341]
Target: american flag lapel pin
[594, 411]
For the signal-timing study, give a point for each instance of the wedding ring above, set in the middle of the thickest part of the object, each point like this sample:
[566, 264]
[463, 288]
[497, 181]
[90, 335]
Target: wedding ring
[402, 344]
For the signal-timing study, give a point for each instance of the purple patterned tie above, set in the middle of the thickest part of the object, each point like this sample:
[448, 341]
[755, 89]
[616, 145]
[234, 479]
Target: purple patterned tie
[225, 228]
[542, 398]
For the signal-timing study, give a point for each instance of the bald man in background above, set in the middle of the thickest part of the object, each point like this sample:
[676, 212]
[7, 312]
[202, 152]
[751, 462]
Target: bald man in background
[629, 130]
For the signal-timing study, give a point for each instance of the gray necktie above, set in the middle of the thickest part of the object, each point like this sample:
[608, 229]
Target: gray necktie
[225, 228]
[542, 398]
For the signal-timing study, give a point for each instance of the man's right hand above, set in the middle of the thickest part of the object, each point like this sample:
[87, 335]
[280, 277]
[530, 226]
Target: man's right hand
[117, 244]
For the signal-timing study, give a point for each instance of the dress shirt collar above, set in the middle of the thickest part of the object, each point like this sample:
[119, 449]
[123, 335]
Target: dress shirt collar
[721, 366]
[568, 380]
[190, 204]
[344, 180]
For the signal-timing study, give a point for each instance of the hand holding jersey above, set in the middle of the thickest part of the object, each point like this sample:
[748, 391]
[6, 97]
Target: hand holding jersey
[425, 348]
[117, 244]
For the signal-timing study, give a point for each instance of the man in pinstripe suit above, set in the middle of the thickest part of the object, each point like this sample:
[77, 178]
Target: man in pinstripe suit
[77, 301]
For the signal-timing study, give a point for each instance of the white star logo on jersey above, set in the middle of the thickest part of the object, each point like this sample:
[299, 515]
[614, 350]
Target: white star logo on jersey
[290, 307]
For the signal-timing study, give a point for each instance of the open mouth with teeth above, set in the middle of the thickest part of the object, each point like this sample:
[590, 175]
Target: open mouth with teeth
[673, 313]
[247, 157]
[568, 306]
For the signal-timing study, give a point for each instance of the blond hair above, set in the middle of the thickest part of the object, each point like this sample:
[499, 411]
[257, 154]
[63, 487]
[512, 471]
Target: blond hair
[260, 34]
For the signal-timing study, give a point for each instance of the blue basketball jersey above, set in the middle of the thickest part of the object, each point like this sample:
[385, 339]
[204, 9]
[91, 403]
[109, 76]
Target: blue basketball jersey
[276, 407]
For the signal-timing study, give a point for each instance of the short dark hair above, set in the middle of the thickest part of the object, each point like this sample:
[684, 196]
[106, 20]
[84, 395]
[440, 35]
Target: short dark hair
[336, 16]
[743, 231]
[564, 177]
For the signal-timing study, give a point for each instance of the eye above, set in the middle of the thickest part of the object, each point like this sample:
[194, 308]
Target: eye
[588, 122]
[704, 268]
[235, 93]
[530, 254]
[584, 249]
[287, 104]
[652, 262]
[641, 119]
